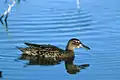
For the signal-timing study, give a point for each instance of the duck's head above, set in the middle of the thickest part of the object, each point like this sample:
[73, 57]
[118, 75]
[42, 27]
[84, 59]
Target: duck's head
[75, 43]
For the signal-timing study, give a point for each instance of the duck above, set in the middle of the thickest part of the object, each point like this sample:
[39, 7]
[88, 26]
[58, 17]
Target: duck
[52, 52]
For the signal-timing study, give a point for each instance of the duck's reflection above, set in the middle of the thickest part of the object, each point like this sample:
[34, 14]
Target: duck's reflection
[70, 67]
[37, 60]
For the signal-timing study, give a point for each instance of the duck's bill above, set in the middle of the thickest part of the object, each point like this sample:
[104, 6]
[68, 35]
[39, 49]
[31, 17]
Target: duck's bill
[84, 46]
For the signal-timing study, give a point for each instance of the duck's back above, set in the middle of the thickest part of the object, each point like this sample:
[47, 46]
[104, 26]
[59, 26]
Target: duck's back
[47, 51]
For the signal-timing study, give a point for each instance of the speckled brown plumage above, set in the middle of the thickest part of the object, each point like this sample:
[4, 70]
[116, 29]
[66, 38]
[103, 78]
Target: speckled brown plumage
[51, 51]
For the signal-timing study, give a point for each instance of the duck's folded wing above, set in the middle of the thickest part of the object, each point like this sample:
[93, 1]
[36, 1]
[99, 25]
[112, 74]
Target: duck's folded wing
[46, 46]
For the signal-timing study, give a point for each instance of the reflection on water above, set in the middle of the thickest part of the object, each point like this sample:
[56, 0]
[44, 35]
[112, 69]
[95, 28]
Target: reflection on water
[70, 67]
[37, 60]
[4, 23]
[4, 16]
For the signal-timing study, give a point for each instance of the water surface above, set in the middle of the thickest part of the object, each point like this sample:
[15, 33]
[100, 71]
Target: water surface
[96, 24]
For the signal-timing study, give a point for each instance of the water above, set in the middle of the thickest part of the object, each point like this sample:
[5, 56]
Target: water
[96, 24]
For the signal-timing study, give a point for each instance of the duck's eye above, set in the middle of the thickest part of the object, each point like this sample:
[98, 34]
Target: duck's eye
[75, 41]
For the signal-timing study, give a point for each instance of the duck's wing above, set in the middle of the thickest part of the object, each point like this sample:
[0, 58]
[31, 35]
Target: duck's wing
[44, 46]
[41, 49]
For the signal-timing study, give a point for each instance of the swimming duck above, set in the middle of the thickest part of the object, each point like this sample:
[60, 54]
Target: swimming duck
[51, 51]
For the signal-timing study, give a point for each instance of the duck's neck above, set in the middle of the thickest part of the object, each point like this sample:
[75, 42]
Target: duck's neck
[69, 48]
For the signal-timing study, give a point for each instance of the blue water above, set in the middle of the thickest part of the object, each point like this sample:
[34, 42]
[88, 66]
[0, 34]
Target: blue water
[96, 24]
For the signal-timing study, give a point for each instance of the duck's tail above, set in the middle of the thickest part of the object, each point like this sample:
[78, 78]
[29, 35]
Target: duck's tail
[27, 50]
[21, 49]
